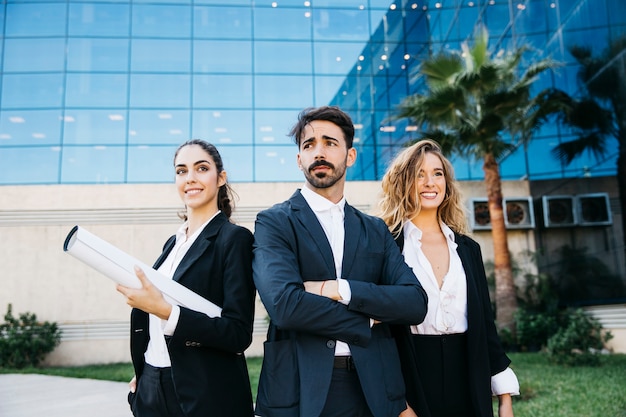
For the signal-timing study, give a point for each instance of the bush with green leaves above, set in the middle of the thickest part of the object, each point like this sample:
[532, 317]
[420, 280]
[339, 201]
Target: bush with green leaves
[24, 341]
[578, 341]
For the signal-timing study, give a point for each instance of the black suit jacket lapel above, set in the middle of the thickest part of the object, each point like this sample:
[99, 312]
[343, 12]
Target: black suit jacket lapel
[167, 248]
[200, 246]
[352, 228]
[308, 219]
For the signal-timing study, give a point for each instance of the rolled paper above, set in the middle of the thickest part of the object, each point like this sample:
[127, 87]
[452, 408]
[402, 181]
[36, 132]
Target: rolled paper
[119, 266]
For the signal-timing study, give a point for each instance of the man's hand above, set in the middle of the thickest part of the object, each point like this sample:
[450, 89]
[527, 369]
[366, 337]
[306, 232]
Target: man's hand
[328, 289]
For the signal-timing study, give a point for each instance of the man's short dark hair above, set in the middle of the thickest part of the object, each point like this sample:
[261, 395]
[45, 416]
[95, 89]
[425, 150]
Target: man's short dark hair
[331, 114]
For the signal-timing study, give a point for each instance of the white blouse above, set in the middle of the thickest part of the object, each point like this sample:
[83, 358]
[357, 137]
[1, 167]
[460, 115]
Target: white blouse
[447, 306]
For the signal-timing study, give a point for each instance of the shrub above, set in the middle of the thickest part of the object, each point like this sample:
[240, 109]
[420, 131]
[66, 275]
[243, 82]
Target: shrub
[534, 328]
[24, 341]
[578, 341]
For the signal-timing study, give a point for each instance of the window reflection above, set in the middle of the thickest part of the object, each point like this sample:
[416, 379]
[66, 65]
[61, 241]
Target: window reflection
[34, 55]
[276, 163]
[287, 91]
[30, 127]
[220, 91]
[32, 90]
[161, 21]
[40, 19]
[222, 56]
[98, 19]
[159, 91]
[95, 126]
[223, 127]
[282, 57]
[43, 161]
[151, 164]
[86, 54]
[162, 55]
[93, 164]
[96, 90]
[222, 22]
[165, 127]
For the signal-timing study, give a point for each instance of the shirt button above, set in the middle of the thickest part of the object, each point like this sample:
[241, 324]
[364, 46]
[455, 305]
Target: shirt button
[330, 344]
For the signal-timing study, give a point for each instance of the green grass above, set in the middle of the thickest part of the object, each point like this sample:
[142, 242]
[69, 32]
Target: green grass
[547, 390]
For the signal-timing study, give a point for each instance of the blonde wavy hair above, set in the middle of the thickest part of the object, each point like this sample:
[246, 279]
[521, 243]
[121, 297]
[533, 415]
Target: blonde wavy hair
[400, 201]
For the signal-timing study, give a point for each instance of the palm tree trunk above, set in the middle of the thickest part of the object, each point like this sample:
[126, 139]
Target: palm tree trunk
[506, 301]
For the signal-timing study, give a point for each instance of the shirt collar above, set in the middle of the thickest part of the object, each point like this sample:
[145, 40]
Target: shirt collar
[319, 203]
[410, 229]
[181, 233]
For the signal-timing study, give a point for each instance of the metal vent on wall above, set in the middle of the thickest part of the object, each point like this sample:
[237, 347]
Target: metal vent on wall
[519, 213]
[580, 210]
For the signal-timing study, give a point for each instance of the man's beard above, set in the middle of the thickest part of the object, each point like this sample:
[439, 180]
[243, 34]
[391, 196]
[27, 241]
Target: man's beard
[324, 179]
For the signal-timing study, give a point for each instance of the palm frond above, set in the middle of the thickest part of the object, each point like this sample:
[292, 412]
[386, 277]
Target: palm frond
[566, 152]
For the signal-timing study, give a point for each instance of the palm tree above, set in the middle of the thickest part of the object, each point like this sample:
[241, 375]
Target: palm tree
[600, 115]
[476, 104]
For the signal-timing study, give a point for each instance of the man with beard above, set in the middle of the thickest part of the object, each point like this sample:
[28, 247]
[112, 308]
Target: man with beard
[332, 280]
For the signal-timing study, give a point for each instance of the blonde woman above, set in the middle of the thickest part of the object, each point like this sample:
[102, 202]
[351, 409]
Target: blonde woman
[453, 361]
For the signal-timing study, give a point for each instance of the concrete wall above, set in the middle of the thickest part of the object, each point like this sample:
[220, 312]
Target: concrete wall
[37, 276]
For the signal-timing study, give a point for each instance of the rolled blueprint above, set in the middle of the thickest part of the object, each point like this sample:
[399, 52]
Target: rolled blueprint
[119, 266]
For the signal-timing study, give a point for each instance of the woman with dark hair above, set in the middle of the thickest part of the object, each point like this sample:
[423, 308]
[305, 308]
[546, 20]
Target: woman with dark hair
[186, 363]
[452, 362]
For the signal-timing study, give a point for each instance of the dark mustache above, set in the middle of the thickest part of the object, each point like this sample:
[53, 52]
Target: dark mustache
[321, 163]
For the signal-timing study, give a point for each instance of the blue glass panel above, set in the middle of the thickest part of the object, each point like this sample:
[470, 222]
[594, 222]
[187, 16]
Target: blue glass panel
[358, 4]
[496, 17]
[586, 14]
[283, 57]
[222, 22]
[283, 91]
[344, 25]
[93, 164]
[225, 2]
[366, 164]
[532, 18]
[86, 54]
[222, 126]
[163, 127]
[616, 12]
[336, 57]
[32, 90]
[30, 127]
[542, 162]
[163, 55]
[107, 127]
[96, 90]
[158, 91]
[34, 54]
[29, 165]
[591, 38]
[276, 163]
[238, 162]
[222, 91]
[148, 164]
[233, 57]
[111, 20]
[273, 126]
[294, 24]
[334, 90]
[513, 167]
[44, 19]
[162, 21]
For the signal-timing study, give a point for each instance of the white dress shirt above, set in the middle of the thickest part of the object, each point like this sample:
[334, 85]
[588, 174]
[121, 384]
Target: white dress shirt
[447, 306]
[156, 354]
[331, 217]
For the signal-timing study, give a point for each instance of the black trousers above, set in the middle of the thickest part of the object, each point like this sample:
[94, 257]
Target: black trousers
[155, 395]
[345, 396]
[443, 370]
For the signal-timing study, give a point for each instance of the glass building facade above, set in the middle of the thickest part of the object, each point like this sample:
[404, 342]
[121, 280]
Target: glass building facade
[104, 91]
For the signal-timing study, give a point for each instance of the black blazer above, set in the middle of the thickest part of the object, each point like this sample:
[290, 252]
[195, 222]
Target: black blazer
[485, 354]
[291, 247]
[208, 367]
